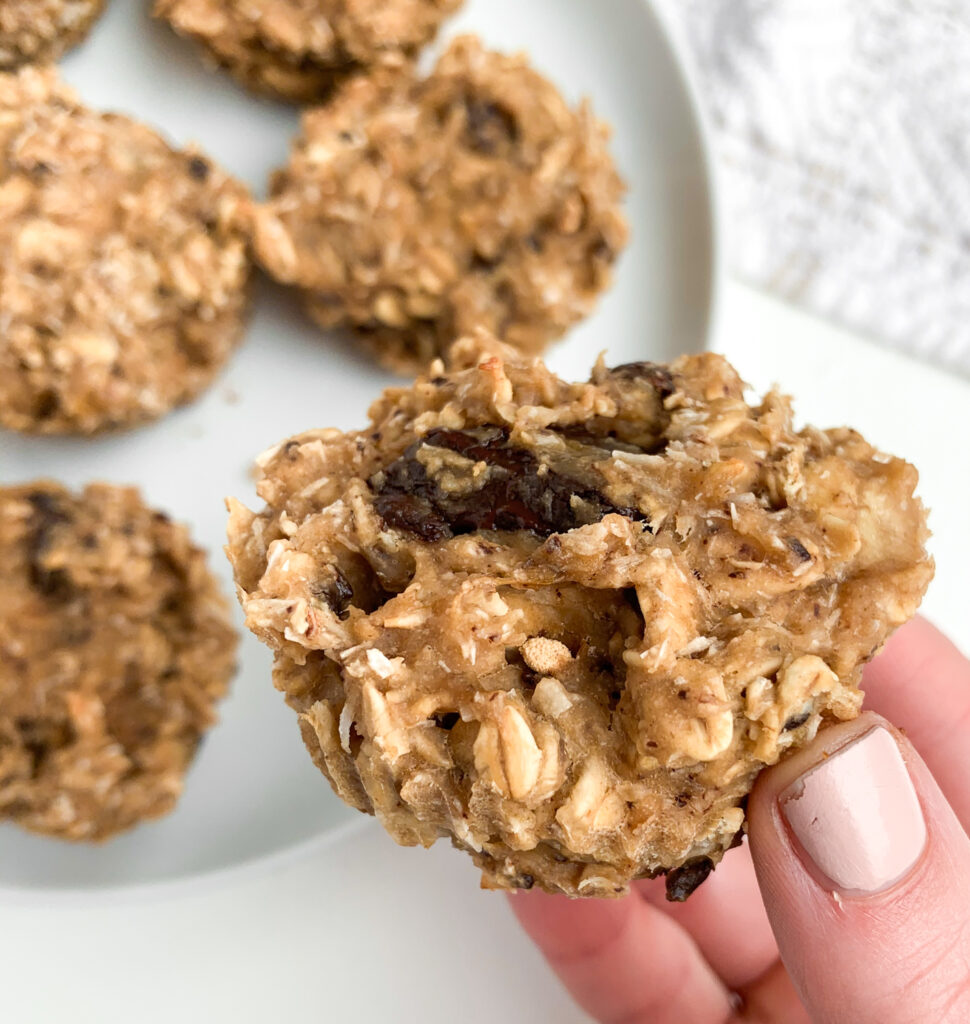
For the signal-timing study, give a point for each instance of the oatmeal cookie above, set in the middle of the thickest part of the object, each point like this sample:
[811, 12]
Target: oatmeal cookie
[417, 209]
[115, 643]
[298, 49]
[123, 265]
[566, 625]
[42, 30]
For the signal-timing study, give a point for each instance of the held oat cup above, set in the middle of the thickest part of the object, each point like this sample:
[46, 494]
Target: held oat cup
[566, 625]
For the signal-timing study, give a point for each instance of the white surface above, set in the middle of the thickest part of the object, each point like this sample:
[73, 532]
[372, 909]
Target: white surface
[372, 933]
[253, 790]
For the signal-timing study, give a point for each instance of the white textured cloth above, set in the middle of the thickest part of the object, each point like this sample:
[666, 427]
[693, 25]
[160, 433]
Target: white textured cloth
[842, 129]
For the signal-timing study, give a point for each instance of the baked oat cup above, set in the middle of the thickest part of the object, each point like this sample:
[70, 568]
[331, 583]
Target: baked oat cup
[42, 30]
[566, 625]
[415, 209]
[123, 282]
[298, 49]
[116, 644]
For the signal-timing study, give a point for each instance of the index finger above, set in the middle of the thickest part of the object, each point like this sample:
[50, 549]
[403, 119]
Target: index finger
[921, 683]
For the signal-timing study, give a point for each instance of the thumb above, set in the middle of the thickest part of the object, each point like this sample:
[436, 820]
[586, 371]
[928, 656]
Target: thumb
[865, 872]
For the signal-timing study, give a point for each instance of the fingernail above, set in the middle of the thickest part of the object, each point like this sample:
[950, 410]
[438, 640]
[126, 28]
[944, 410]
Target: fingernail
[857, 816]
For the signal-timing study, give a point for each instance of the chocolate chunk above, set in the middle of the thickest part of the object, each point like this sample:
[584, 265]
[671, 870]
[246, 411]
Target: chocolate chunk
[658, 376]
[49, 513]
[608, 442]
[41, 737]
[338, 594]
[796, 720]
[446, 720]
[489, 126]
[483, 264]
[524, 881]
[519, 493]
[799, 548]
[409, 514]
[682, 881]
[47, 404]
[602, 250]
[404, 499]
[198, 168]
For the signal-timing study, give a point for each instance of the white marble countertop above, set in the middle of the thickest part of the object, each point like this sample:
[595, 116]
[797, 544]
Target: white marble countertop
[364, 931]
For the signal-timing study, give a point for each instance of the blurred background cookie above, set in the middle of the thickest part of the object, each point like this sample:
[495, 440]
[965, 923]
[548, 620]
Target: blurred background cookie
[41, 30]
[123, 265]
[419, 209]
[296, 49]
[115, 643]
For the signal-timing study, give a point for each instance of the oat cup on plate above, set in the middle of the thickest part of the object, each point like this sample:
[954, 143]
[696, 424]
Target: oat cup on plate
[116, 644]
[123, 283]
[413, 209]
[299, 49]
[38, 31]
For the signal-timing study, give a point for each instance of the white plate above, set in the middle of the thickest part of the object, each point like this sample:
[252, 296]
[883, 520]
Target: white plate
[253, 792]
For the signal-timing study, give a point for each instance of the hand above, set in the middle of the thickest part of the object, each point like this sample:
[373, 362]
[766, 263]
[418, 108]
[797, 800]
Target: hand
[865, 916]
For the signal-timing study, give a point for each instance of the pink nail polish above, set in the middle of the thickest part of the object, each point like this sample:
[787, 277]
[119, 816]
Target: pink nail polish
[857, 816]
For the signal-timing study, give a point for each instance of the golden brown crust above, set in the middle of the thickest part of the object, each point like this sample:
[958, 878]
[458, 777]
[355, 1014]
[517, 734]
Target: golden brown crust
[415, 209]
[566, 625]
[42, 30]
[123, 280]
[115, 644]
[298, 49]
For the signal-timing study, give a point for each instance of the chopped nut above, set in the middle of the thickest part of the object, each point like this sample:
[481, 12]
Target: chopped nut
[546, 656]
[591, 806]
[551, 698]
